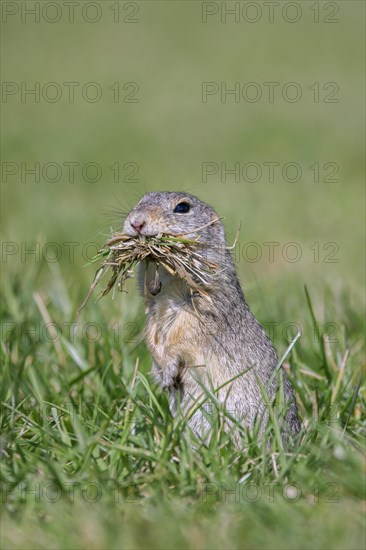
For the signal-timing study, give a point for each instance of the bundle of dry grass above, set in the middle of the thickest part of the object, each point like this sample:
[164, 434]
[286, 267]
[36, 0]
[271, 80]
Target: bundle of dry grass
[176, 254]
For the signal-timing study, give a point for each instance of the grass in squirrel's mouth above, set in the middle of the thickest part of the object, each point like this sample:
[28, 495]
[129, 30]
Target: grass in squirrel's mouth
[176, 254]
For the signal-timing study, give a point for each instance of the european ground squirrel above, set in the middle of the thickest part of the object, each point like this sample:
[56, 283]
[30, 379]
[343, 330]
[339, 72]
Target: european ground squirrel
[209, 339]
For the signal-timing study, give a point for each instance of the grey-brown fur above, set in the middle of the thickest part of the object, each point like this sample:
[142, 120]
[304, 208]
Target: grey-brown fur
[198, 340]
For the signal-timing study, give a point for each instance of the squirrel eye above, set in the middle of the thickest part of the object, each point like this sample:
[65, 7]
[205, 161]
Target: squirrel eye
[182, 208]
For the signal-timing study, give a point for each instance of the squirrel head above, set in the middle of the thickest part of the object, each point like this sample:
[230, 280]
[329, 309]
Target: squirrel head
[173, 213]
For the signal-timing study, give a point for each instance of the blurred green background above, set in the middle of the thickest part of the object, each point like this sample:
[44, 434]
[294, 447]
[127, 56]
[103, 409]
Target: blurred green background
[170, 132]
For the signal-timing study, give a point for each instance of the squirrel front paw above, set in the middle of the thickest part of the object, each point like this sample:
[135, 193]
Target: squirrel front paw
[169, 376]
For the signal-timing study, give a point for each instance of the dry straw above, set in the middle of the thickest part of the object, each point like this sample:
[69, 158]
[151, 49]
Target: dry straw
[176, 254]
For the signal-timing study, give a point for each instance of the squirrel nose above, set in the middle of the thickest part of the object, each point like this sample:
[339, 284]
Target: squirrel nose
[137, 223]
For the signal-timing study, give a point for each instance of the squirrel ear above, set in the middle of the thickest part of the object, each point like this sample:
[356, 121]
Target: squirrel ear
[215, 218]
